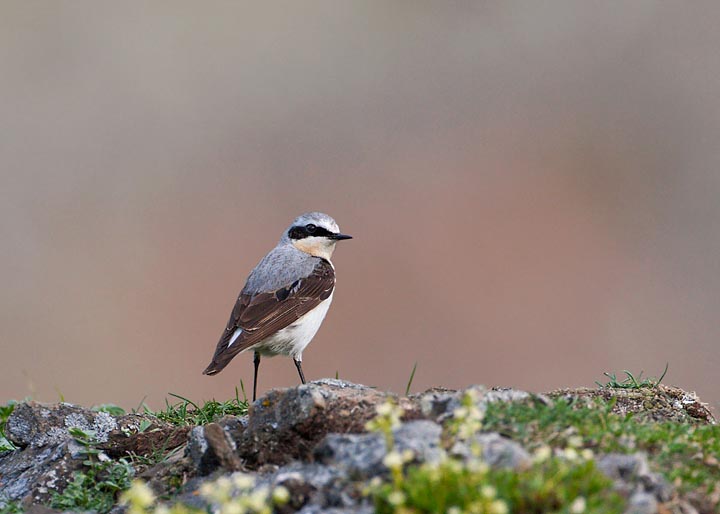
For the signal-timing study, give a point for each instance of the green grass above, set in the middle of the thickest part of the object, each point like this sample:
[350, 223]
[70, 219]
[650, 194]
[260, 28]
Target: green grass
[410, 380]
[631, 382]
[188, 413]
[684, 453]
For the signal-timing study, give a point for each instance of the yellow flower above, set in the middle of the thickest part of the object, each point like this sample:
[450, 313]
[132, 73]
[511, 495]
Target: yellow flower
[280, 495]
[139, 497]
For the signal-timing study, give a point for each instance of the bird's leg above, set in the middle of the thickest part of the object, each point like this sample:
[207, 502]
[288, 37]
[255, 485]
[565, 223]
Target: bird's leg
[298, 365]
[256, 361]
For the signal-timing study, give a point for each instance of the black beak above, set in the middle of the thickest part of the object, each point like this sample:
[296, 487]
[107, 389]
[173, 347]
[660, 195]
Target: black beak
[339, 237]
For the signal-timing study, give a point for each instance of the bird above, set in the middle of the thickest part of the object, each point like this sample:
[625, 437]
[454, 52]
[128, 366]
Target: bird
[285, 298]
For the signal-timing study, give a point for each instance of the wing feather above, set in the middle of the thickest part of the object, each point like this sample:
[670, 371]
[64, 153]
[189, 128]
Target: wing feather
[262, 314]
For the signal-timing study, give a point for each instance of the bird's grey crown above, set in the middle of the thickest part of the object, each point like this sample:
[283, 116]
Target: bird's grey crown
[319, 219]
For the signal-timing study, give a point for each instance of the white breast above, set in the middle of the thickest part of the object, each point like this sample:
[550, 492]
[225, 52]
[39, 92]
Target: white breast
[293, 339]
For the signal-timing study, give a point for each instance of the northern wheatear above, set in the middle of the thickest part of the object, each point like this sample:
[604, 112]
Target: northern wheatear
[285, 298]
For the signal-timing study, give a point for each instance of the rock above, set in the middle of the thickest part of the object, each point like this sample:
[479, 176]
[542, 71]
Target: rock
[210, 447]
[631, 473]
[642, 503]
[30, 475]
[361, 455]
[660, 403]
[48, 455]
[37, 425]
[286, 424]
[439, 404]
[497, 451]
[358, 455]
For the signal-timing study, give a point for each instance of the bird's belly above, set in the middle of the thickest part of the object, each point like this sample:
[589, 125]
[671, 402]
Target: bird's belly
[293, 339]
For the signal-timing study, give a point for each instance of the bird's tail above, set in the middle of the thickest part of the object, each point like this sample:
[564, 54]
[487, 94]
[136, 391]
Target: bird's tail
[222, 358]
[213, 369]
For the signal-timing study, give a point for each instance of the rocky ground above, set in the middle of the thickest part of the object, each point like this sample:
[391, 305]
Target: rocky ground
[311, 442]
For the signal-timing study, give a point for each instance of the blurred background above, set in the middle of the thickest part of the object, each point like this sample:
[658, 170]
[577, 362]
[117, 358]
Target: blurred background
[533, 190]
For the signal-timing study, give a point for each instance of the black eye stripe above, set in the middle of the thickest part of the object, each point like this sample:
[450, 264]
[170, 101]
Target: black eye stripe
[300, 232]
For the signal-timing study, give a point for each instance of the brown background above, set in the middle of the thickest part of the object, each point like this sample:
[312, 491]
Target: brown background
[533, 190]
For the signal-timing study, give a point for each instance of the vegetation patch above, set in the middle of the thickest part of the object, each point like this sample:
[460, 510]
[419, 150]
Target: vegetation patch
[94, 489]
[686, 454]
[188, 413]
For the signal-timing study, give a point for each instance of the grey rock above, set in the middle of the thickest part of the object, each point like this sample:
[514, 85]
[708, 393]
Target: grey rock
[358, 455]
[30, 475]
[642, 503]
[361, 455]
[631, 474]
[312, 473]
[47, 455]
[497, 451]
[422, 437]
[439, 404]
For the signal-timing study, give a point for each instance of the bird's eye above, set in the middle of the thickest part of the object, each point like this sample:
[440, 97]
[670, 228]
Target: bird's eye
[310, 228]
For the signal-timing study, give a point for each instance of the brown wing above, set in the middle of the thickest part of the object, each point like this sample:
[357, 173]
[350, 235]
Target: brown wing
[262, 314]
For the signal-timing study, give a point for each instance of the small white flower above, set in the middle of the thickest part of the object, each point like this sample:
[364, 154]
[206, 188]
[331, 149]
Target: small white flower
[384, 409]
[578, 505]
[575, 441]
[488, 492]
[542, 454]
[454, 510]
[393, 460]
[570, 454]
[460, 412]
[232, 507]
[396, 498]
[407, 455]
[258, 499]
[498, 507]
[243, 481]
[587, 454]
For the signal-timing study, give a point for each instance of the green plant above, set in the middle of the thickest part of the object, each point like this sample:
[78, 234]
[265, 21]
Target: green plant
[110, 408]
[187, 412]
[96, 488]
[685, 453]
[410, 380]
[10, 507]
[562, 481]
[630, 382]
[233, 494]
[5, 412]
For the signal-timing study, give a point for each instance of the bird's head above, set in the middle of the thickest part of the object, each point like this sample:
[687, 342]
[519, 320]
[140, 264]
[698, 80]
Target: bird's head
[314, 233]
